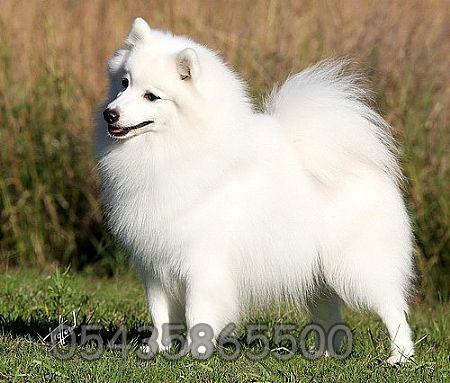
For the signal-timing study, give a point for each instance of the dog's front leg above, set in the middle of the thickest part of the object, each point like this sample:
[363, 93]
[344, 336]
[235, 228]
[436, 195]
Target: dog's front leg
[164, 311]
[211, 304]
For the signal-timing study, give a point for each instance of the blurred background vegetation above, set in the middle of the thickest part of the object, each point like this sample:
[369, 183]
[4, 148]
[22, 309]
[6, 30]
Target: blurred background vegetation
[53, 78]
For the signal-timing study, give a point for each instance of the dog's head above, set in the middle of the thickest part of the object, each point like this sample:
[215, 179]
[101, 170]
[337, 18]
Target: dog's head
[149, 81]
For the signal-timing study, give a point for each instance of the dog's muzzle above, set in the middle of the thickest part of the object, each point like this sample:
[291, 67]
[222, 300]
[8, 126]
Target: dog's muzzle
[111, 116]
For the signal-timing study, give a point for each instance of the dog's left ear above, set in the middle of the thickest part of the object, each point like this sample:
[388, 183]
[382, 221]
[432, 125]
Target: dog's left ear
[188, 66]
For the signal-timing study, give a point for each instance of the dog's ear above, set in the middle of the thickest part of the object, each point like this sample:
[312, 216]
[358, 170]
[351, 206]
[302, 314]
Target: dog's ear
[140, 31]
[188, 66]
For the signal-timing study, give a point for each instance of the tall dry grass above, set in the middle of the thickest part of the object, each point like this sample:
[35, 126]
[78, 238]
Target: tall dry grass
[52, 78]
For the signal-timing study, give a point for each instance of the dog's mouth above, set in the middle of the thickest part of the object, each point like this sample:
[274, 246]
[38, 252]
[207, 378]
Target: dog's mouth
[121, 131]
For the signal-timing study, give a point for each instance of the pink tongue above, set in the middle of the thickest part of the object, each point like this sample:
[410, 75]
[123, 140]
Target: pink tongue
[115, 130]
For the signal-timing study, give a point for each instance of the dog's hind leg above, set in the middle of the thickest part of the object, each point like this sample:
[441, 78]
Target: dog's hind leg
[326, 312]
[402, 347]
[384, 296]
[377, 282]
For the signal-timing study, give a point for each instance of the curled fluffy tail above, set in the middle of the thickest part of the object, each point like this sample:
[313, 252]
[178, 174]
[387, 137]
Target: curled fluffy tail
[324, 110]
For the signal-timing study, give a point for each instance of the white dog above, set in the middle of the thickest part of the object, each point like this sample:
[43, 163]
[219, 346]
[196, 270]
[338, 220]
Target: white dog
[221, 205]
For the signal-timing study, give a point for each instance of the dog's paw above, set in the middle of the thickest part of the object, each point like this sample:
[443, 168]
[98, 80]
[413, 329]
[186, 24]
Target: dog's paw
[398, 358]
[145, 349]
[154, 348]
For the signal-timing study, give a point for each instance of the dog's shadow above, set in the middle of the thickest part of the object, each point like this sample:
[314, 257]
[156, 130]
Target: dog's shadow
[33, 328]
[45, 331]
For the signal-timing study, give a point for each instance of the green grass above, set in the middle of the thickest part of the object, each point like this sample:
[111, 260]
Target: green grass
[31, 302]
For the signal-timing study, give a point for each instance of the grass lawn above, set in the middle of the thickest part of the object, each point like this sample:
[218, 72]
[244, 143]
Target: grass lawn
[30, 304]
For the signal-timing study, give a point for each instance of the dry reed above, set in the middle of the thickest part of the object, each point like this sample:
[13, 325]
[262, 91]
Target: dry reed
[52, 78]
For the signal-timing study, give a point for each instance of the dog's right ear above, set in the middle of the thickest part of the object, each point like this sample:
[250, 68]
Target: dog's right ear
[140, 31]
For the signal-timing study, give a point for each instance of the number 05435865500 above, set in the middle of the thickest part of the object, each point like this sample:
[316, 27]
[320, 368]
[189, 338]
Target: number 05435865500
[285, 342]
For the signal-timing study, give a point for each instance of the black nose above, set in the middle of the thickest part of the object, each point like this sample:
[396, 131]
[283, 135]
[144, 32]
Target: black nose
[111, 116]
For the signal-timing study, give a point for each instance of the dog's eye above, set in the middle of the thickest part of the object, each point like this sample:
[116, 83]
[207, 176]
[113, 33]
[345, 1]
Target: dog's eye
[151, 97]
[125, 82]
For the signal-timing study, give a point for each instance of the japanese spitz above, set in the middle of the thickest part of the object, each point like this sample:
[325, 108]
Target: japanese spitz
[221, 205]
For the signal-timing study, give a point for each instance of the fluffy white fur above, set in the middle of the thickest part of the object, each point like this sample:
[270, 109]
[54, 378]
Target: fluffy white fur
[221, 206]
